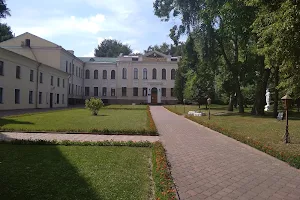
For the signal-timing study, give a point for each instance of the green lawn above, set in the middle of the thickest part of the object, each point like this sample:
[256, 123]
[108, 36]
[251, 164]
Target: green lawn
[129, 107]
[266, 130]
[80, 120]
[74, 172]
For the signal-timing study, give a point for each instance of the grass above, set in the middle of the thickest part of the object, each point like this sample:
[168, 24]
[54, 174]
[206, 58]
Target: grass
[109, 121]
[74, 172]
[127, 107]
[262, 132]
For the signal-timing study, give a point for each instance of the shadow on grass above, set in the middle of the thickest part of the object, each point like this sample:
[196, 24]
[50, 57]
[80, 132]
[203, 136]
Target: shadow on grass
[40, 172]
[6, 121]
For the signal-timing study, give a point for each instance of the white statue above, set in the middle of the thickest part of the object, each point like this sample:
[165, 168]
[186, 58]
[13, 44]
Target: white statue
[268, 94]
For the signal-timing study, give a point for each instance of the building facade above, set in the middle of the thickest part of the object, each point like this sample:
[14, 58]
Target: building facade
[143, 79]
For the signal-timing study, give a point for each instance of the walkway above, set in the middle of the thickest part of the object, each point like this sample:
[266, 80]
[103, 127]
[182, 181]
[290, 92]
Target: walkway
[74, 137]
[208, 165]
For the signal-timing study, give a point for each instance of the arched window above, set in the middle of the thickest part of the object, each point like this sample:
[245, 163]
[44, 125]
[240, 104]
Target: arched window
[144, 73]
[154, 73]
[124, 73]
[135, 73]
[163, 74]
[104, 74]
[173, 74]
[96, 74]
[113, 74]
[87, 74]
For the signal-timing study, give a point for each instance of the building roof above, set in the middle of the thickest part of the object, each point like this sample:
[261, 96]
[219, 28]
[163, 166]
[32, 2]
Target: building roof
[98, 59]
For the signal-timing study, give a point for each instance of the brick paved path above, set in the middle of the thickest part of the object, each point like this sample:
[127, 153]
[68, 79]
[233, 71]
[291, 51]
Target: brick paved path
[209, 165]
[74, 137]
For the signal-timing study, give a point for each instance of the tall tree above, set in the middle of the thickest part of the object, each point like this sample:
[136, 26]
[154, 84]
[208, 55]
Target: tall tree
[5, 32]
[112, 48]
[167, 49]
[4, 10]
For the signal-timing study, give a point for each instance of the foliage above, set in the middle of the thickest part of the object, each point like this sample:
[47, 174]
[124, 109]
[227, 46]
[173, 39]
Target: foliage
[111, 121]
[5, 32]
[94, 104]
[126, 107]
[112, 48]
[167, 49]
[4, 10]
[164, 185]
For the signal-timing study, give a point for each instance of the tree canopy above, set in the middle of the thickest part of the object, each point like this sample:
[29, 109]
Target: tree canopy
[112, 48]
[5, 32]
[4, 10]
[166, 49]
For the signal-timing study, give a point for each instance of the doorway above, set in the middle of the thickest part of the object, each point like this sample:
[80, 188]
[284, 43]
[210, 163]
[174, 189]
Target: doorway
[51, 100]
[154, 96]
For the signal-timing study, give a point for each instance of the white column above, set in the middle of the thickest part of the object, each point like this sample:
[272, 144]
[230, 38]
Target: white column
[159, 94]
[149, 93]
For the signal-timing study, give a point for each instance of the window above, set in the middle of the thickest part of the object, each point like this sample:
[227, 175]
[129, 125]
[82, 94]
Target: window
[163, 74]
[73, 69]
[124, 91]
[27, 42]
[135, 91]
[163, 92]
[70, 69]
[40, 97]
[72, 88]
[87, 74]
[104, 90]
[1, 95]
[135, 73]
[63, 99]
[1, 68]
[76, 87]
[67, 66]
[30, 97]
[172, 92]
[69, 89]
[57, 98]
[18, 72]
[113, 74]
[124, 73]
[41, 77]
[145, 92]
[96, 93]
[135, 59]
[76, 71]
[154, 73]
[174, 59]
[92, 59]
[87, 91]
[58, 82]
[63, 83]
[31, 75]
[112, 92]
[104, 74]
[79, 71]
[95, 74]
[17, 96]
[173, 74]
[51, 80]
[144, 73]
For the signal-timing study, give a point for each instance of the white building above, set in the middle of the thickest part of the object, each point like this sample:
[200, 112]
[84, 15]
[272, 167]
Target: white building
[126, 79]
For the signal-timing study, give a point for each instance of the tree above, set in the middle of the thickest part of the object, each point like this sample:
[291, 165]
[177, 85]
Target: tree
[4, 10]
[5, 32]
[166, 49]
[112, 48]
[94, 105]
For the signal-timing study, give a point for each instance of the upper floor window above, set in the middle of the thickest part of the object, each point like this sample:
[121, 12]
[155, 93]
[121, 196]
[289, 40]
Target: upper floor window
[92, 59]
[67, 66]
[73, 69]
[76, 71]
[113, 74]
[18, 72]
[79, 72]
[163, 74]
[124, 73]
[174, 59]
[41, 77]
[31, 75]
[135, 73]
[154, 73]
[51, 80]
[58, 82]
[135, 59]
[104, 74]
[1, 68]
[173, 74]
[96, 74]
[87, 74]
[144, 73]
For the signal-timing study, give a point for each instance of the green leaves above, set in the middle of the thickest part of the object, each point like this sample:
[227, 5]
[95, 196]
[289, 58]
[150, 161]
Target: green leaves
[112, 48]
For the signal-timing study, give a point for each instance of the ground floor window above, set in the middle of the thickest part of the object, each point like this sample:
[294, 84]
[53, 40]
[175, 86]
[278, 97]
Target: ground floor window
[113, 92]
[40, 97]
[1, 95]
[135, 91]
[63, 99]
[57, 98]
[104, 91]
[145, 92]
[124, 91]
[87, 91]
[96, 92]
[17, 96]
[163, 92]
[30, 97]
[172, 92]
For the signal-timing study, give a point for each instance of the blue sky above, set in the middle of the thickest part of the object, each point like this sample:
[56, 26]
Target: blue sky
[80, 25]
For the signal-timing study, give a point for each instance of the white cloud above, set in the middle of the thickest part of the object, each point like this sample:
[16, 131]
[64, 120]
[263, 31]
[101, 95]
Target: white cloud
[90, 54]
[136, 51]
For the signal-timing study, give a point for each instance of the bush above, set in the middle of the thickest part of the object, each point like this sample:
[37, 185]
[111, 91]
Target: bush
[94, 105]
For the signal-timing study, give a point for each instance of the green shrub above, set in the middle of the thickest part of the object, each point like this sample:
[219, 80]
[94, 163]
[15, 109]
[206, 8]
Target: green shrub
[94, 105]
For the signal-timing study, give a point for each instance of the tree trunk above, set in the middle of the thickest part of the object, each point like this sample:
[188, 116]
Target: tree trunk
[276, 96]
[240, 98]
[230, 105]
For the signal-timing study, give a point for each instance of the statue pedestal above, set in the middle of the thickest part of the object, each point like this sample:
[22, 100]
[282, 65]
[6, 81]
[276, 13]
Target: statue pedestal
[267, 107]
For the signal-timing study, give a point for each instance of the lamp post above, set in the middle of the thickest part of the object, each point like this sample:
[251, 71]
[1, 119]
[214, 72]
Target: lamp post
[286, 100]
[209, 102]
[184, 106]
